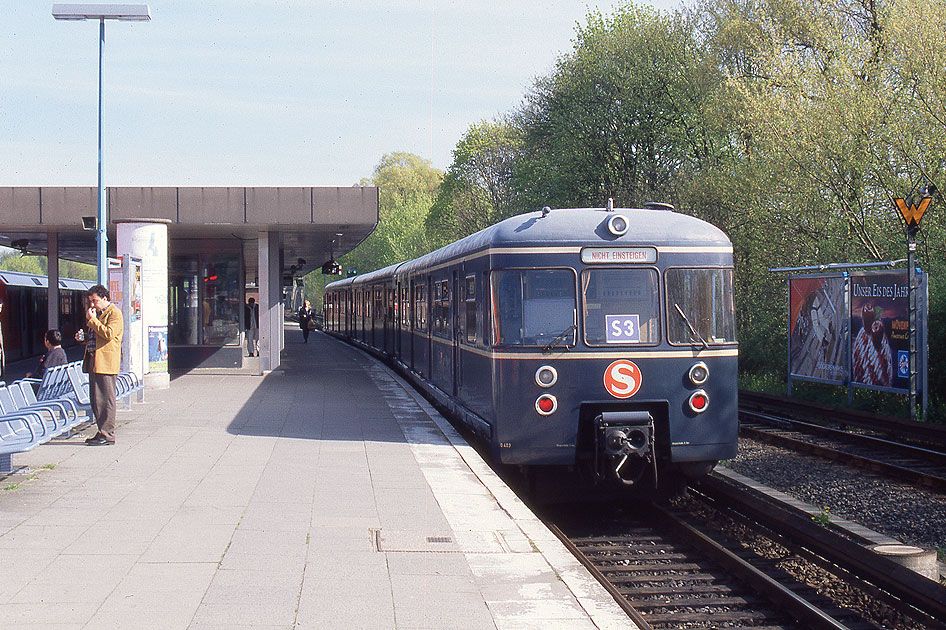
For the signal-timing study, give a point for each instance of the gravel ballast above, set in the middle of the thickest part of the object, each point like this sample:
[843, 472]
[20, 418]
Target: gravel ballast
[912, 515]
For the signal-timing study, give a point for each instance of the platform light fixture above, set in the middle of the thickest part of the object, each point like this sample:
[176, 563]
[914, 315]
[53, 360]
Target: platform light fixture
[102, 12]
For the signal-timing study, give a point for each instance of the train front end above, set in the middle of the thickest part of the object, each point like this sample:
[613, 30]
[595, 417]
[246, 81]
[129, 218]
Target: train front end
[618, 357]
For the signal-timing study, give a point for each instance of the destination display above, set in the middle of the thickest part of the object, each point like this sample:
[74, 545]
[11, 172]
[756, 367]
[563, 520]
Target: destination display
[604, 255]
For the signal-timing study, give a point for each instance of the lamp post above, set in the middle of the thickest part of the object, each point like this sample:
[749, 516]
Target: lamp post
[102, 12]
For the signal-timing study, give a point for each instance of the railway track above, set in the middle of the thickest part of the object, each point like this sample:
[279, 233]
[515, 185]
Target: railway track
[725, 558]
[920, 465]
[917, 433]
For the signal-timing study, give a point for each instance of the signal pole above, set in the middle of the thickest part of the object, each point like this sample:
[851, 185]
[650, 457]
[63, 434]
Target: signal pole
[912, 215]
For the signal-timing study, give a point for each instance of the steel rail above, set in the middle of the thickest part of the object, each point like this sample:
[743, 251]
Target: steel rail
[757, 580]
[921, 431]
[911, 450]
[787, 601]
[930, 480]
[911, 588]
[586, 562]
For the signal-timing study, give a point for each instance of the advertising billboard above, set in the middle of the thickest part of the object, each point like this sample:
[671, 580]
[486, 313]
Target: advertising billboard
[817, 325]
[880, 330]
[854, 329]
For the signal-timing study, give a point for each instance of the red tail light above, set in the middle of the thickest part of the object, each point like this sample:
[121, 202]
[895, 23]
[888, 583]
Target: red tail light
[699, 401]
[546, 404]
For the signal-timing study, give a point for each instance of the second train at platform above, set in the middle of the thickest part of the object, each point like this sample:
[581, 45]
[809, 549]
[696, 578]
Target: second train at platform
[598, 343]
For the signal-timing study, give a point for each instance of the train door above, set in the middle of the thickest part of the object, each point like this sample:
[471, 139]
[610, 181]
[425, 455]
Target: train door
[397, 319]
[349, 310]
[390, 322]
[455, 309]
[429, 343]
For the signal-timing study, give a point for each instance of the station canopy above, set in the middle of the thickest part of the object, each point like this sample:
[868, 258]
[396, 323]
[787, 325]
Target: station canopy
[314, 224]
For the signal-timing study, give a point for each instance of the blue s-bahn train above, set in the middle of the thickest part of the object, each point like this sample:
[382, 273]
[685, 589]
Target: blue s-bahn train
[24, 316]
[596, 341]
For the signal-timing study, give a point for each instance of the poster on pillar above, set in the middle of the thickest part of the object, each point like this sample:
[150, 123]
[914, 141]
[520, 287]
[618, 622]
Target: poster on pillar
[157, 348]
[147, 240]
[124, 287]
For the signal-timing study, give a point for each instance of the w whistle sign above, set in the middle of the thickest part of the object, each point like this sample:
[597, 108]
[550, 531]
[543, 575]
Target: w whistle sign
[912, 213]
[622, 378]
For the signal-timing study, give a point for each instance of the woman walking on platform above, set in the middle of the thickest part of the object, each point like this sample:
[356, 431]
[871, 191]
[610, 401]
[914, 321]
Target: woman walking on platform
[306, 320]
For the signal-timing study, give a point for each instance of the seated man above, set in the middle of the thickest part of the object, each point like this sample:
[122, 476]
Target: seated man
[54, 356]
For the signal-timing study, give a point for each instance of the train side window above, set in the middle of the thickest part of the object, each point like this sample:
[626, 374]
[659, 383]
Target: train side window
[700, 307]
[534, 307]
[405, 305]
[420, 304]
[470, 306]
[441, 314]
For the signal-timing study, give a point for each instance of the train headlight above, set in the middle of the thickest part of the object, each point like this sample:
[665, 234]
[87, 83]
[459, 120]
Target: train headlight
[618, 225]
[546, 404]
[699, 373]
[699, 401]
[546, 376]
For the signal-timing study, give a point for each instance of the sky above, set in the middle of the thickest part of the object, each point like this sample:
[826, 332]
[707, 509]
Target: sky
[266, 93]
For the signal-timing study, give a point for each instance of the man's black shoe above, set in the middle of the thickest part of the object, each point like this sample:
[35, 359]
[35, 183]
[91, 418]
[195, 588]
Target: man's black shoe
[99, 440]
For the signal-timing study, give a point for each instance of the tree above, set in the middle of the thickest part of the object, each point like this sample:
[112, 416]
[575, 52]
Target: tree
[613, 119]
[477, 189]
[407, 184]
[26, 264]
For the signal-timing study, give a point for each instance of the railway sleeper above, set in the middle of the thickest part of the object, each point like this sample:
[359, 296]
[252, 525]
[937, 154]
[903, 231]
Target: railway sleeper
[628, 547]
[667, 591]
[653, 567]
[718, 618]
[686, 600]
[676, 579]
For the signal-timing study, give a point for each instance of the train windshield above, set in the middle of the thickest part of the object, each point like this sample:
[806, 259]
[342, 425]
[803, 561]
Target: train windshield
[700, 306]
[620, 306]
[534, 307]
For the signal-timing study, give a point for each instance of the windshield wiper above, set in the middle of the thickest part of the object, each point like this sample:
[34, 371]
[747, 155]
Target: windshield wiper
[560, 337]
[690, 326]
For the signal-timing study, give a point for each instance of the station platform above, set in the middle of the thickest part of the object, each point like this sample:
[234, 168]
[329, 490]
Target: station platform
[325, 494]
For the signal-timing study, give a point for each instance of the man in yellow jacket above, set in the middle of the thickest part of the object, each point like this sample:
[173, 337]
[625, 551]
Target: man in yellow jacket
[104, 351]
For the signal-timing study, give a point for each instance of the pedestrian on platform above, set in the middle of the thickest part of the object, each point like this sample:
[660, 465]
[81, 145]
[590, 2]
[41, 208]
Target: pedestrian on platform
[306, 320]
[54, 356]
[103, 353]
[251, 324]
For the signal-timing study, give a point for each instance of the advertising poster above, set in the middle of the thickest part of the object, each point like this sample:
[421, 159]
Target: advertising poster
[880, 329]
[157, 348]
[816, 328]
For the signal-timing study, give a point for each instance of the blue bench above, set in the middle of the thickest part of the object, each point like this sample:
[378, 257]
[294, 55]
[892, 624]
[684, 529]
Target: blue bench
[28, 420]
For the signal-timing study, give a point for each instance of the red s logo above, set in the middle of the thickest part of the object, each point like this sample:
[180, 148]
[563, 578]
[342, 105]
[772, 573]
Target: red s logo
[622, 379]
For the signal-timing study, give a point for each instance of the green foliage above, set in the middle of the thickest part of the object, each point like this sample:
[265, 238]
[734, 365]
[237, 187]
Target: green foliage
[77, 270]
[790, 124]
[38, 265]
[477, 189]
[25, 264]
[615, 118]
[408, 185]
[823, 517]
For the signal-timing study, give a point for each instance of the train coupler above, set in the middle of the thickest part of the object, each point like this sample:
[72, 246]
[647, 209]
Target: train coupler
[624, 446]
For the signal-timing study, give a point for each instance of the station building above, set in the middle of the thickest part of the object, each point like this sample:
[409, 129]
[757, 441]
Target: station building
[223, 245]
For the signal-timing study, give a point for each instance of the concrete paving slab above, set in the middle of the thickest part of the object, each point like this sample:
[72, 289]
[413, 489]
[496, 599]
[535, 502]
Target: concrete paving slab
[325, 494]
